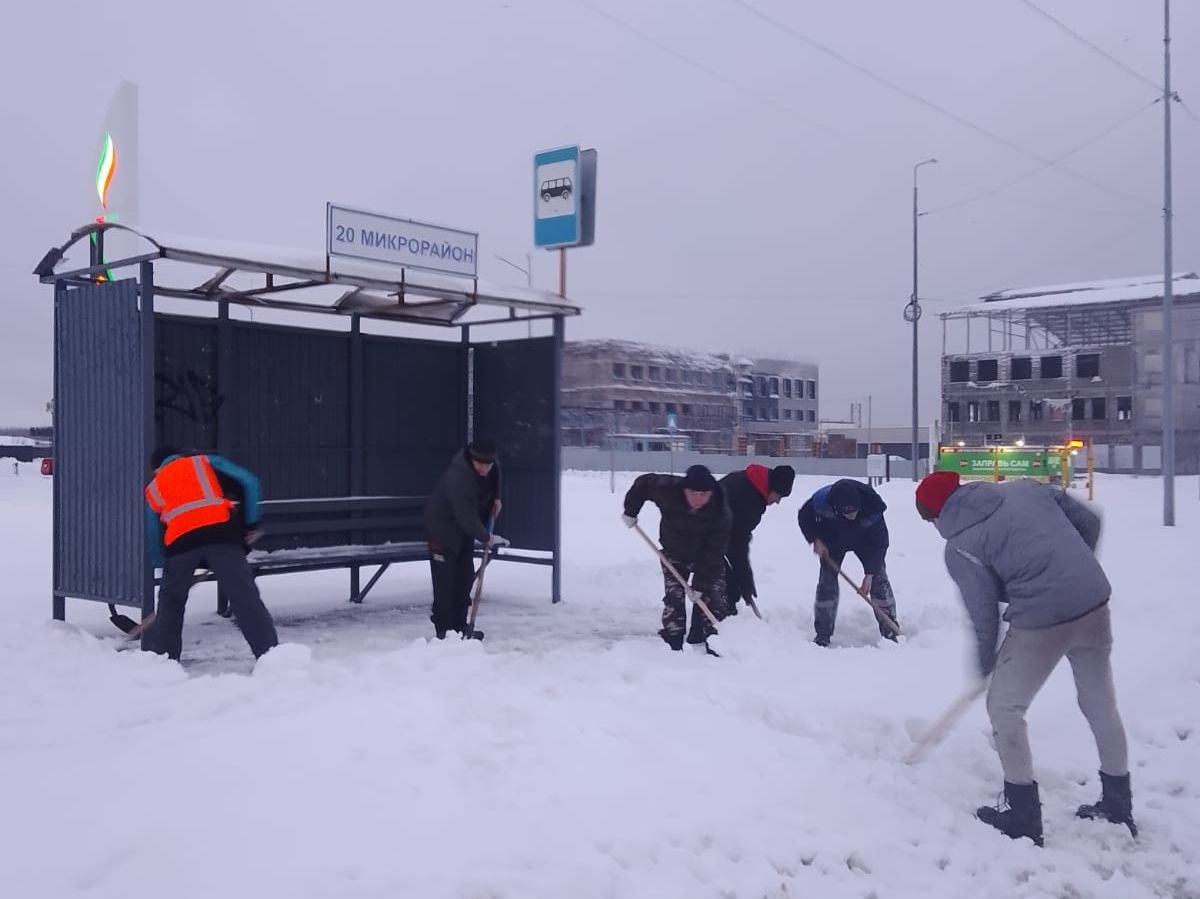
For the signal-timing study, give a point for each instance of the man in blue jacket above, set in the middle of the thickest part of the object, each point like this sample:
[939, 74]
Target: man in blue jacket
[842, 517]
[202, 512]
[1031, 547]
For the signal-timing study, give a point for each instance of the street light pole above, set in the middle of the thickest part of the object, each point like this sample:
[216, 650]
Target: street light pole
[912, 313]
[1168, 416]
[527, 271]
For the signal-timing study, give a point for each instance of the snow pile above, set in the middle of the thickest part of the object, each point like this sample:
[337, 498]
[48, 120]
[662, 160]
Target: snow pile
[571, 754]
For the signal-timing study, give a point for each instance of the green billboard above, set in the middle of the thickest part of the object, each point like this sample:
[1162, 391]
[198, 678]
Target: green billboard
[1002, 462]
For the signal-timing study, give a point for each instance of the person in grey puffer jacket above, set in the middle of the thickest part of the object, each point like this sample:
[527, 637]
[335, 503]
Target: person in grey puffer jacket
[1032, 547]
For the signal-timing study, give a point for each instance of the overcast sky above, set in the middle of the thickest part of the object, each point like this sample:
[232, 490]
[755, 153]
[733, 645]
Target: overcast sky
[754, 191]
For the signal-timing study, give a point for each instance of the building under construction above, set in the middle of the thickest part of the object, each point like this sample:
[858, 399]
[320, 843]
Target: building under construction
[1044, 365]
[721, 403]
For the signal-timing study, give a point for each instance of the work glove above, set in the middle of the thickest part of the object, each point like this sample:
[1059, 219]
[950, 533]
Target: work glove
[628, 520]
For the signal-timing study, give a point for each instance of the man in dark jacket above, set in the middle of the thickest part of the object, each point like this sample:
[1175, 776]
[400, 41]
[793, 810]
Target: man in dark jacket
[694, 533]
[1032, 547]
[202, 512]
[749, 493]
[465, 499]
[847, 516]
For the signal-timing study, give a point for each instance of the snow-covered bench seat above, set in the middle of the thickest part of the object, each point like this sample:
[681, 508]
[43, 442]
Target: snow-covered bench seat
[338, 532]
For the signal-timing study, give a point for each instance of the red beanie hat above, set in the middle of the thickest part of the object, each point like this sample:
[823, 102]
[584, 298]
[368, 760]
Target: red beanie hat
[933, 491]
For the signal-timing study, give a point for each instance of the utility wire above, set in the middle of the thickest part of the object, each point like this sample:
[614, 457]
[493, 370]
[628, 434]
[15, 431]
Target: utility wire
[1041, 168]
[710, 71]
[924, 101]
[1083, 40]
[1102, 52]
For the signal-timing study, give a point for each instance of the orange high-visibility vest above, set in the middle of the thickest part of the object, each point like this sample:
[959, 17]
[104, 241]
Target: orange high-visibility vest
[187, 495]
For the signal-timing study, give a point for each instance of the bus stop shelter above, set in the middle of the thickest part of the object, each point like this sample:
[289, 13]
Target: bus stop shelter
[351, 383]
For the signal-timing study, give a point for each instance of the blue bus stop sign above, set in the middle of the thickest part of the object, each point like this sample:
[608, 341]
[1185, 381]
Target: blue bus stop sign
[556, 193]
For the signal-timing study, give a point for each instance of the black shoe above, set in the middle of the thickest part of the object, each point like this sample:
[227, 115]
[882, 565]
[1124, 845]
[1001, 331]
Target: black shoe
[471, 633]
[732, 610]
[441, 633]
[821, 639]
[1115, 805]
[1022, 818]
[674, 640]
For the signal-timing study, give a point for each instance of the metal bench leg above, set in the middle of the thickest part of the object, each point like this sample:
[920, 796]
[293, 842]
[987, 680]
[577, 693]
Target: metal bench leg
[355, 583]
[59, 607]
[359, 597]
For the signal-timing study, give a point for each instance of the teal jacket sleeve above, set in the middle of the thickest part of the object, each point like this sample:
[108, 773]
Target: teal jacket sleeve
[250, 487]
[154, 538]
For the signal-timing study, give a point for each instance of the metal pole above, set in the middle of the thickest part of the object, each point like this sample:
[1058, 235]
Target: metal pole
[527, 272]
[913, 313]
[869, 448]
[612, 455]
[1168, 419]
[558, 335]
[149, 430]
[562, 271]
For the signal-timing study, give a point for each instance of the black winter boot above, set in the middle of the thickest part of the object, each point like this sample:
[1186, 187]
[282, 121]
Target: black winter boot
[1022, 818]
[1116, 802]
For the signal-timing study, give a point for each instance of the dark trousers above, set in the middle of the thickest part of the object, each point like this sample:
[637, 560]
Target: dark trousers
[235, 580]
[739, 583]
[828, 584]
[674, 616]
[453, 573]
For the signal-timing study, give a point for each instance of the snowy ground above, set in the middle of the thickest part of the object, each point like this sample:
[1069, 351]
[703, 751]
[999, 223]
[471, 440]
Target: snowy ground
[571, 754]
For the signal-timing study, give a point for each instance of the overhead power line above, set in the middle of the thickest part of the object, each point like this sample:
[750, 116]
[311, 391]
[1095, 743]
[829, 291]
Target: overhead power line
[710, 71]
[930, 104]
[1129, 70]
[1098, 49]
[1041, 168]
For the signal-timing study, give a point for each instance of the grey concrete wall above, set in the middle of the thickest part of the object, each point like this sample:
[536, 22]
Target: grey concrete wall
[592, 459]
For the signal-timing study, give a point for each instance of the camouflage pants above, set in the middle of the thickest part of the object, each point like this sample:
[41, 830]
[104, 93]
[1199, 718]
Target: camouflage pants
[828, 584]
[674, 616]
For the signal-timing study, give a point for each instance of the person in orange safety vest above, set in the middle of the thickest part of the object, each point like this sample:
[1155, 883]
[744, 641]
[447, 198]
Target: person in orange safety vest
[202, 512]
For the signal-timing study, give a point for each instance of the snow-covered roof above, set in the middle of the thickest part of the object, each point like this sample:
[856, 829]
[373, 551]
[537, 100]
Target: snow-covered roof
[356, 287]
[650, 352]
[679, 356]
[1084, 293]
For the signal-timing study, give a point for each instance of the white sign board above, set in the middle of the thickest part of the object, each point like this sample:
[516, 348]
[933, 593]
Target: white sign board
[355, 234]
[877, 465]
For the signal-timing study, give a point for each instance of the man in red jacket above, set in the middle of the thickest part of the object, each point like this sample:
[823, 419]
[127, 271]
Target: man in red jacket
[749, 493]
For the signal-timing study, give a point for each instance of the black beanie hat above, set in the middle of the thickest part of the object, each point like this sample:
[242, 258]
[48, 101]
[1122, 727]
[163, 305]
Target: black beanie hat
[698, 477]
[780, 480]
[845, 495]
[482, 449]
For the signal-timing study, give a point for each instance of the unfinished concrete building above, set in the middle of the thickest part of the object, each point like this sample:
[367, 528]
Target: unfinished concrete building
[1048, 364]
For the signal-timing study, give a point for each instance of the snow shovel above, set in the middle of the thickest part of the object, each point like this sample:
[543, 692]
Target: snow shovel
[127, 625]
[880, 614]
[133, 629]
[687, 588]
[944, 724]
[487, 554]
[749, 600]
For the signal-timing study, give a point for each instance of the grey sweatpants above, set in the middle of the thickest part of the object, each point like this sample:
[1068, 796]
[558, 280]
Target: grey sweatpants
[1024, 662]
